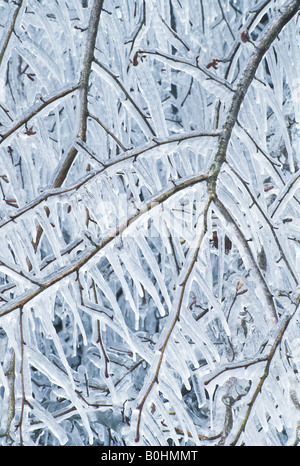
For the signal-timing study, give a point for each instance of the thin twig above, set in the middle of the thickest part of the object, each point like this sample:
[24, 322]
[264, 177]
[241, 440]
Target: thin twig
[128, 96]
[172, 60]
[234, 366]
[99, 340]
[225, 19]
[140, 27]
[174, 33]
[37, 109]
[108, 131]
[238, 292]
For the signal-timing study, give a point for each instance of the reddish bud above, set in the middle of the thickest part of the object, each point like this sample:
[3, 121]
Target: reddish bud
[213, 64]
[29, 131]
[135, 59]
[268, 187]
[193, 303]
[245, 36]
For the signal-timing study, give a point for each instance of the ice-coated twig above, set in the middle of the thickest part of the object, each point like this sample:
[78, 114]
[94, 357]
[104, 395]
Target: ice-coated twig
[174, 319]
[186, 66]
[83, 90]
[37, 108]
[282, 328]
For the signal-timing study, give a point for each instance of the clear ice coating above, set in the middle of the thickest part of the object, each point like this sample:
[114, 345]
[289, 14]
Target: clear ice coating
[149, 223]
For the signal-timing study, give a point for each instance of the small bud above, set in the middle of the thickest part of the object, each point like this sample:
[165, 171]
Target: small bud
[245, 36]
[29, 131]
[213, 64]
[268, 187]
[135, 59]
[193, 303]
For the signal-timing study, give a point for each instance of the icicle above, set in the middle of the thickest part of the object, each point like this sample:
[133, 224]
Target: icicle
[139, 276]
[115, 262]
[49, 421]
[149, 90]
[152, 262]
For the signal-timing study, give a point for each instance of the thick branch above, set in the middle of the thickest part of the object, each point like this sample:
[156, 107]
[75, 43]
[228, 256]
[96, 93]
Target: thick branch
[10, 30]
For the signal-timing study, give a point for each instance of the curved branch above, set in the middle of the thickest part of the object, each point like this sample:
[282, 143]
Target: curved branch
[37, 109]
[85, 258]
[106, 164]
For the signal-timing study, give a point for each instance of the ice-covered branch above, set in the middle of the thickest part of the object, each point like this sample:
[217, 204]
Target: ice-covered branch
[175, 318]
[87, 256]
[10, 30]
[282, 328]
[83, 90]
[243, 85]
[245, 81]
[186, 66]
[37, 108]
[106, 164]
